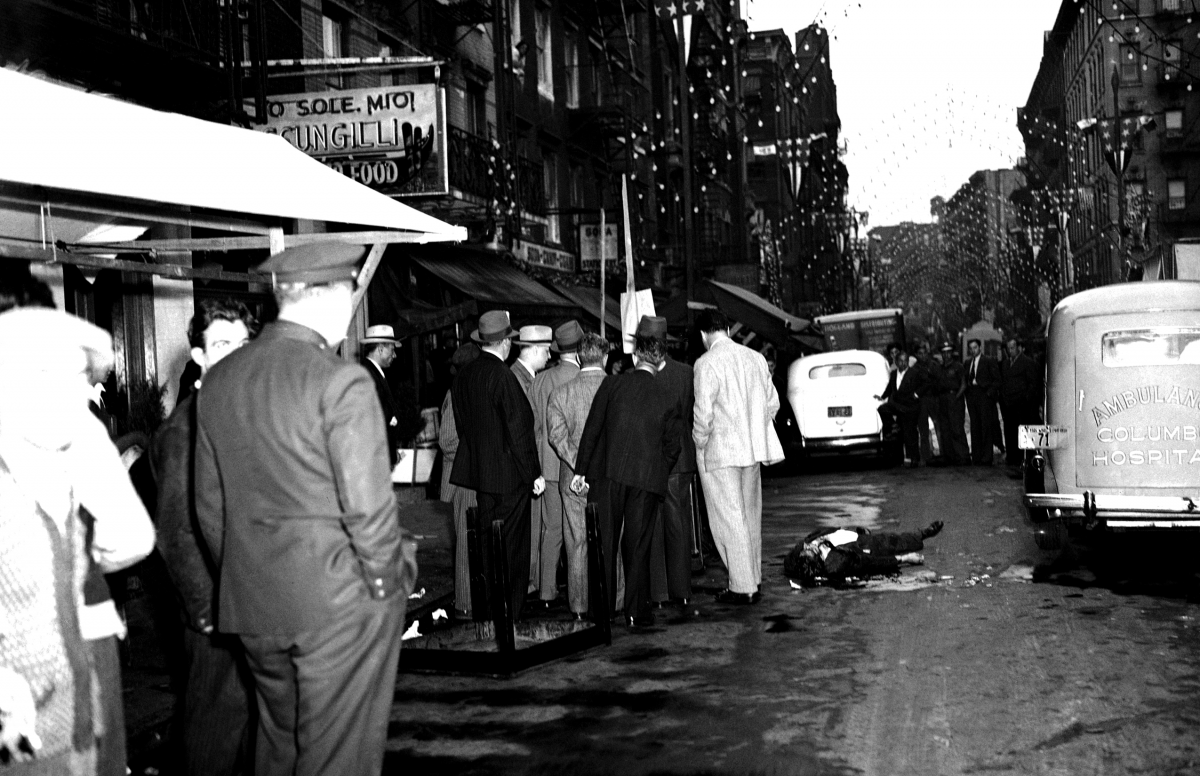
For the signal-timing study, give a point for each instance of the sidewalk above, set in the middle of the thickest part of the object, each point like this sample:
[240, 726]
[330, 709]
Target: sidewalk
[146, 675]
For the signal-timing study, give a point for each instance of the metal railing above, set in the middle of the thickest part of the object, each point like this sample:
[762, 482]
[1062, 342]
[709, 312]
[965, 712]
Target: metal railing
[469, 161]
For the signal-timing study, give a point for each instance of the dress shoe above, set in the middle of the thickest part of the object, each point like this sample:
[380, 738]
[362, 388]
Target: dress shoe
[641, 621]
[730, 597]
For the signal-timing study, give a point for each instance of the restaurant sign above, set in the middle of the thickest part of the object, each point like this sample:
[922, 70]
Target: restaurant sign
[390, 138]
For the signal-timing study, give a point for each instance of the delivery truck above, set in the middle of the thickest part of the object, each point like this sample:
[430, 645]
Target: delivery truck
[862, 329]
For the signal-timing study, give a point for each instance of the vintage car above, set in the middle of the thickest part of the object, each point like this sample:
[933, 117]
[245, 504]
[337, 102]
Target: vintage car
[833, 397]
[1120, 449]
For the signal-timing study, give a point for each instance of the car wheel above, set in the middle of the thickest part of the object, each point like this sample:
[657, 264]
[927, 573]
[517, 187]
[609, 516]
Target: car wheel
[1050, 536]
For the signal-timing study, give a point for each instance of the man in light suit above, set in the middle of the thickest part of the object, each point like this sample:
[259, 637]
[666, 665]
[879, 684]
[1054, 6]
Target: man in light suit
[549, 528]
[533, 351]
[497, 451]
[734, 431]
[566, 414]
[294, 501]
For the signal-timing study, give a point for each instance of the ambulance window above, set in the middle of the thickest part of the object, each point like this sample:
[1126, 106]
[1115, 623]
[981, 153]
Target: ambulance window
[837, 370]
[1162, 346]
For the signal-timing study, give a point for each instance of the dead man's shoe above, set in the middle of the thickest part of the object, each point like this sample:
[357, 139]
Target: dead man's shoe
[934, 529]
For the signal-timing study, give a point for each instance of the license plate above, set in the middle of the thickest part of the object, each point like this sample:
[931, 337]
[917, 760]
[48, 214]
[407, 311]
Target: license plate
[1041, 437]
[840, 412]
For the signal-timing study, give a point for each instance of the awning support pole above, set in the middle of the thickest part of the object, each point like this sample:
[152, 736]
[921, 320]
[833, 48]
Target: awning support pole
[603, 234]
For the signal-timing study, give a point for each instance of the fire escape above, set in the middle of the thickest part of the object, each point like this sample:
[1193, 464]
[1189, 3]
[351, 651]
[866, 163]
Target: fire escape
[605, 128]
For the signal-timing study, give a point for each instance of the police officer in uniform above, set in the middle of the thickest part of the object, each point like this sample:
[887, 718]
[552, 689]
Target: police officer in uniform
[295, 504]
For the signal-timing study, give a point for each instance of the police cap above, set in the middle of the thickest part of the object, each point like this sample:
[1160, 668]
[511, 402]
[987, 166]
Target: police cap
[327, 262]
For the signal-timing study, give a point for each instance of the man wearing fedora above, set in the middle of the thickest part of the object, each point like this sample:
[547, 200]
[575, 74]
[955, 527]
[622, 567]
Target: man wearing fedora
[497, 451]
[671, 554]
[294, 502]
[549, 536]
[379, 351]
[629, 445]
[533, 353]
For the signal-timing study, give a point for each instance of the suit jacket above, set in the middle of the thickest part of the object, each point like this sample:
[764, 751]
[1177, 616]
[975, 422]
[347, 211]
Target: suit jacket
[906, 395]
[679, 381]
[539, 395]
[524, 377]
[183, 552]
[987, 376]
[632, 434]
[1020, 381]
[497, 451]
[391, 416]
[567, 414]
[293, 493]
[736, 402]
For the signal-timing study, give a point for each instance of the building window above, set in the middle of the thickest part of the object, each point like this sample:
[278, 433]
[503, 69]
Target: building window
[541, 19]
[1131, 64]
[1170, 5]
[550, 185]
[571, 66]
[1174, 123]
[333, 37]
[476, 109]
[1176, 194]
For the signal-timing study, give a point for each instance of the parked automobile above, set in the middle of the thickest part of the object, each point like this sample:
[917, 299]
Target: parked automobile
[1120, 448]
[832, 396]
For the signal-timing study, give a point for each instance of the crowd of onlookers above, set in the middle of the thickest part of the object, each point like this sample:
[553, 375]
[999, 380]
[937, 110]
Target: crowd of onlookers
[935, 394]
[277, 523]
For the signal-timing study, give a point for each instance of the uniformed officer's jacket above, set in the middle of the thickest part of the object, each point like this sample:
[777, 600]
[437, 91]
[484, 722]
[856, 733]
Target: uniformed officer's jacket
[293, 492]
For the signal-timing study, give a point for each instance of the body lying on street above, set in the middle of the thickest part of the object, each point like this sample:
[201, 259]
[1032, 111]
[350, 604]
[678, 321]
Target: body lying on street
[838, 556]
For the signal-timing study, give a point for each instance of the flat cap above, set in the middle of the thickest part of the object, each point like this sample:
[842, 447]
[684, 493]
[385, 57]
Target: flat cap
[327, 262]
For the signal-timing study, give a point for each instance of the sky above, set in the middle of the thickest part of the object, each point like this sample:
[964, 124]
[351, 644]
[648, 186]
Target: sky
[928, 90]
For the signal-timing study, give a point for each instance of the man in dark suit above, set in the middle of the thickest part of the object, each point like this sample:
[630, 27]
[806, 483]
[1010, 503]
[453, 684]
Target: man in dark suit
[982, 380]
[629, 445]
[954, 411]
[1020, 396]
[379, 351]
[497, 451]
[213, 716]
[902, 399]
[671, 553]
[295, 504]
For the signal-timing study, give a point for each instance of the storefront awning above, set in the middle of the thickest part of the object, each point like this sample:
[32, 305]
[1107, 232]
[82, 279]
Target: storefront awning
[781, 328]
[588, 299]
[76, 163]
[70, 140]
[496, 285]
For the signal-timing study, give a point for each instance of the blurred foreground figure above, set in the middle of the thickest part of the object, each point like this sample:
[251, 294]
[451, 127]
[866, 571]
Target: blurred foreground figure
[294, 501]
[214, 715]
[65, 502]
